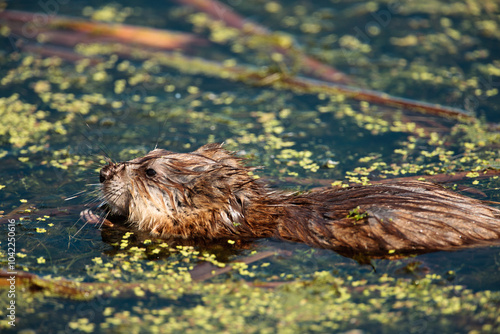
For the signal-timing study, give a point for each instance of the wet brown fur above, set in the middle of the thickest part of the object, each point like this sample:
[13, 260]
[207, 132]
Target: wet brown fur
[209, 193]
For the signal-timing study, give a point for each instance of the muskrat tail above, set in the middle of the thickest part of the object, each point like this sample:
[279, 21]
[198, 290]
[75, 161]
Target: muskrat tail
[404, 217]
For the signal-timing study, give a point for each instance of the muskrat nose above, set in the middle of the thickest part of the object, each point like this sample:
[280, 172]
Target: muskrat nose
[105, 173]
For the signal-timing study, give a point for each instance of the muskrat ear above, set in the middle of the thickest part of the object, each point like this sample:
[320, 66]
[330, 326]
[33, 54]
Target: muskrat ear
[212, 151]
[158, 152]
[216, 153]
[209, 148]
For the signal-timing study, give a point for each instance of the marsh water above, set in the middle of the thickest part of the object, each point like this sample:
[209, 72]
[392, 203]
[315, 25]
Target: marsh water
[70, 99]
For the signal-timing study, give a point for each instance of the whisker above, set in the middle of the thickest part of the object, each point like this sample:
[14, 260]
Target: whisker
[76, 195]
[161, 126]
[81, 228]
[103, 218]
[101, 147]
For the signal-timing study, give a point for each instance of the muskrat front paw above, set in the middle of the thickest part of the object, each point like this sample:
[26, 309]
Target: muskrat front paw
[91, 218]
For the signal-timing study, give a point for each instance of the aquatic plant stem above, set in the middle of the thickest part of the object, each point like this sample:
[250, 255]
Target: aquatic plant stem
[307, 85]
[310, 66]
[151, 37]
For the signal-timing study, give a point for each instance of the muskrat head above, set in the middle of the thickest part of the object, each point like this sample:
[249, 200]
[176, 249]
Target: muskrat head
[180, 194]
[122, 182]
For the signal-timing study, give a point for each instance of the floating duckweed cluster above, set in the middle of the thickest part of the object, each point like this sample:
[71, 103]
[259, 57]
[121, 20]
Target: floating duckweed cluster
[23, 124]
[108, 13]
[323, 304]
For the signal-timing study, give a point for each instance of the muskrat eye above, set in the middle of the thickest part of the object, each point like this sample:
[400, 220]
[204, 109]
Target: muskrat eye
[150, 172]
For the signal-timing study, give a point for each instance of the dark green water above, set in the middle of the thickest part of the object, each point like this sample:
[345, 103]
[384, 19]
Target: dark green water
[59, 116]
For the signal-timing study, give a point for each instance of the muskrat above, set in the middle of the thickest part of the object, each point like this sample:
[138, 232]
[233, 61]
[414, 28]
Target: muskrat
[211, 194]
